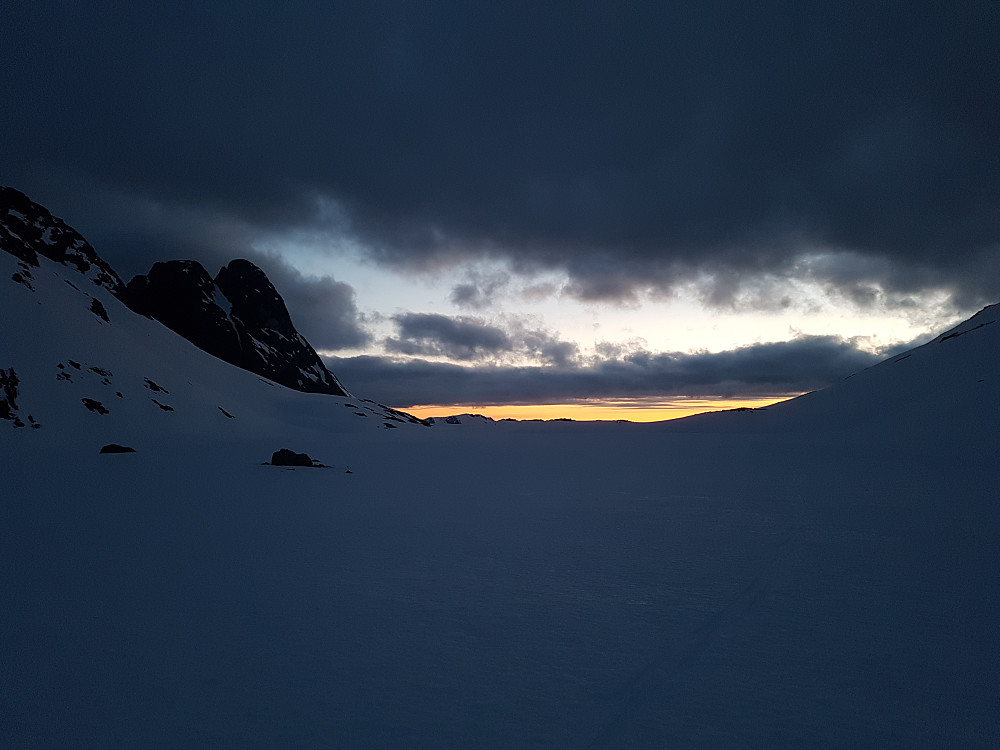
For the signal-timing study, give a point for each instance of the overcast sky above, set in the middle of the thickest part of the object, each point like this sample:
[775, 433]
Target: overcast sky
[535, 202]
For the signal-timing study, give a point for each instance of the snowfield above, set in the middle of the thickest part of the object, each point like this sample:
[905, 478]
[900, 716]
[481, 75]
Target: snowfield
[822, 573]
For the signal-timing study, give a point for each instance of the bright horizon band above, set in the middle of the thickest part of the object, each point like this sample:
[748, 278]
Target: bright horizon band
[632, 410]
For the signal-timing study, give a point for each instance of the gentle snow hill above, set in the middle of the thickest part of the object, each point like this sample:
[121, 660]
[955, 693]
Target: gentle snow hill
[951, 383]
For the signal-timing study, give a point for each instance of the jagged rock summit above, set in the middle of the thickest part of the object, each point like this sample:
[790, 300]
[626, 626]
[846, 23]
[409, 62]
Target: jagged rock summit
[238, 317]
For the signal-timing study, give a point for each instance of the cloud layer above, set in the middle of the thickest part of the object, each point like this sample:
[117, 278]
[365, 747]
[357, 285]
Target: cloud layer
[470, 339]
[323, 309]
[773, 369]
[729, 145]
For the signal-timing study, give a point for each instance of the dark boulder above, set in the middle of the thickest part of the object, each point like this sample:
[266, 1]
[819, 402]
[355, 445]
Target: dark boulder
[286, 457]
[115, 448]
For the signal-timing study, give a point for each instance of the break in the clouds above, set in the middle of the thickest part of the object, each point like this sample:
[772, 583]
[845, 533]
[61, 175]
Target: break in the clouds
[634, 148]
[760, 370]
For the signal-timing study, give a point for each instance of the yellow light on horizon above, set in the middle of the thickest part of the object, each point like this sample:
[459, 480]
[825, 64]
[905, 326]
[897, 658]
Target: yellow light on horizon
[632, 410]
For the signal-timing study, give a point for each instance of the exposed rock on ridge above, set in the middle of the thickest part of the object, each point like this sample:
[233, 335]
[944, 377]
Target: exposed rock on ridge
[28, 230]
[239, 317]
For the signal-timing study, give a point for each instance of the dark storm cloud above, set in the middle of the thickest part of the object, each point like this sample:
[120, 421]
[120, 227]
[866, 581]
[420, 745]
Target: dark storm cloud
[634, 147]
[429, 334]
[323, 309]
[479, 289]
[544, 346]
[774, 369]
[470, 339]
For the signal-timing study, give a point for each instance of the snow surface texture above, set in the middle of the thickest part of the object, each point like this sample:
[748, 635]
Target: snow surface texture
[823, 573]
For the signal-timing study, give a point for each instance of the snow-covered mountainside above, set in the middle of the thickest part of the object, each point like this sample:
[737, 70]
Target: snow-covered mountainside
[238, 317]
[78, 362]
[822, 573]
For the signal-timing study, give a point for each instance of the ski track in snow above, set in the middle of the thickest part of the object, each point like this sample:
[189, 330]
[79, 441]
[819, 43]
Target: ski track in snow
[666, 673]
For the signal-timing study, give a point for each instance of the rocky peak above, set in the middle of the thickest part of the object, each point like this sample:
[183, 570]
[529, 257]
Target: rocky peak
[181, 295]
[254, 299]
[28, 230]
[238, 316]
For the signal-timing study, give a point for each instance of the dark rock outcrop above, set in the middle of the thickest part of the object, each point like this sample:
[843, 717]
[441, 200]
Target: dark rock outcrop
[97, 307]
[115, 448]
[8, 396]
[28, 230]
[239, 317]
[181, 295]
[95, 406]
[286, 457]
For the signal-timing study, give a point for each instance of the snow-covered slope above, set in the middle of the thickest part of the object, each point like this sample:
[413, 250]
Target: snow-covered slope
[91, 371]
[953, 377]
[950, 384]
[535, 585]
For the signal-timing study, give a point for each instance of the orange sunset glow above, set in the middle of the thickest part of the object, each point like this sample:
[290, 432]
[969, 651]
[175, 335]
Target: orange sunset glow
[632, 410]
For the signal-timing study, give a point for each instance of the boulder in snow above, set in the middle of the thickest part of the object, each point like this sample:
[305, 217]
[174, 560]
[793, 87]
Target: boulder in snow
[115, 448]
[286, 457]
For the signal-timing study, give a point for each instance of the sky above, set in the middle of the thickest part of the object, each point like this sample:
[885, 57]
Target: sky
[537, 209]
